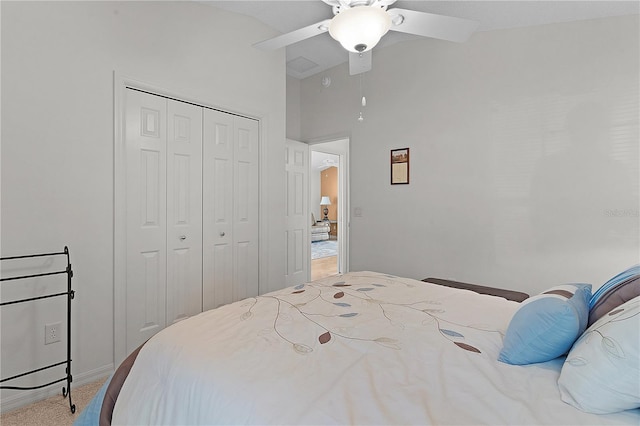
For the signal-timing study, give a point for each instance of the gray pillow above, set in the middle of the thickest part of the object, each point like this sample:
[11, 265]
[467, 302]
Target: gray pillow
[615, 297]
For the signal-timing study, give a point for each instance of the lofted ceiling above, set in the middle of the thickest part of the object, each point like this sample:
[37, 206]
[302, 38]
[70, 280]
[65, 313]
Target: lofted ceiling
[319, 53]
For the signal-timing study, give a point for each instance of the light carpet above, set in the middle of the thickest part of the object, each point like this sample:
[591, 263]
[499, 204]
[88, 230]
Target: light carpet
[53, 411]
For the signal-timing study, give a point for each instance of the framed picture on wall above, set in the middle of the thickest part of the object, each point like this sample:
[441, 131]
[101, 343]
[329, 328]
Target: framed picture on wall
[400, 166]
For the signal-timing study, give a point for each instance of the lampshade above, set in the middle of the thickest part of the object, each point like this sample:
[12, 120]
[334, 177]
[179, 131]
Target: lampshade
[325, 201]
[360, 28]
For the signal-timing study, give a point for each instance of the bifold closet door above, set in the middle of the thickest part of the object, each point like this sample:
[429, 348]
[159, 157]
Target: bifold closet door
[184, 210]
[164, 213]
[230, 208]
[146, 158]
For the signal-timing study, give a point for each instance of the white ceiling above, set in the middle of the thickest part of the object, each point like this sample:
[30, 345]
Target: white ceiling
[322, 160]
[319, 53]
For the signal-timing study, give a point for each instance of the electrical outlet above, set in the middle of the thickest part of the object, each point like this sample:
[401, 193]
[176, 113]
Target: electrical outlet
[52, 332]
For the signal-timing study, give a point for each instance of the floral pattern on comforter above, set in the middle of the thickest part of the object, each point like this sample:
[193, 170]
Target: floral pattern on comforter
[362, 348]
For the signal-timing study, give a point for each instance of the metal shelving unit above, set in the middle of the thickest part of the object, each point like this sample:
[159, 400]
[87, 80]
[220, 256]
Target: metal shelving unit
[66, 391]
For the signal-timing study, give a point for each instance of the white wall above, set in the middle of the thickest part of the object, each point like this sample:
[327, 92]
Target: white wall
[503, 191]
[293, 108]
[314, 192]
[58, 60]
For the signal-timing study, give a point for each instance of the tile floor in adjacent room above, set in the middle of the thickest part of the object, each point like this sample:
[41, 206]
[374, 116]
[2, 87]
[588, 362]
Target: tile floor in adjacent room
[324, 267]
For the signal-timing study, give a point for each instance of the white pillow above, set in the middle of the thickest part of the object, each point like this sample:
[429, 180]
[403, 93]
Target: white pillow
[601, 372]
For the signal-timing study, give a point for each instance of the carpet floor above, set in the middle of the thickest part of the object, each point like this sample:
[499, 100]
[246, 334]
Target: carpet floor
[53, 411]
[327, 248]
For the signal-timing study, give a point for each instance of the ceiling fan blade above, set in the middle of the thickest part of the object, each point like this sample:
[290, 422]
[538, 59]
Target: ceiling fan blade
[432, 25]
[359, 62]
[294, 36]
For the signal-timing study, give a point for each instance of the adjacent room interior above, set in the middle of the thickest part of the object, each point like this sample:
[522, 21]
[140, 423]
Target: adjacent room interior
[324, 232]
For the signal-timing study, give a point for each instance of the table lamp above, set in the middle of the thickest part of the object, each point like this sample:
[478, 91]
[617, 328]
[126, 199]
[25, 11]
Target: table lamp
[325, 201]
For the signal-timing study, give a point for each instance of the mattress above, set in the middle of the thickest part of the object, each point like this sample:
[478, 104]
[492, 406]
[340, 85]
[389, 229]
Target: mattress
[362, 348]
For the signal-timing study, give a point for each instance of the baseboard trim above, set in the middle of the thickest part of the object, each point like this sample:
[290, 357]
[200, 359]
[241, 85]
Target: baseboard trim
[22, 398]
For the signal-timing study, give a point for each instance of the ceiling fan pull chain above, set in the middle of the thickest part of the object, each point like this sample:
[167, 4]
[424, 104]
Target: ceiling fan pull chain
[363, 100]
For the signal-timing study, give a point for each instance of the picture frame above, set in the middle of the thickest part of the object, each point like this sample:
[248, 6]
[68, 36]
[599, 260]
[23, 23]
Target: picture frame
[400, 166]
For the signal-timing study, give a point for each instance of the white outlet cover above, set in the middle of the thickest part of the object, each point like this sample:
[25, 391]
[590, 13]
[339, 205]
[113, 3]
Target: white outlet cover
[52, 332]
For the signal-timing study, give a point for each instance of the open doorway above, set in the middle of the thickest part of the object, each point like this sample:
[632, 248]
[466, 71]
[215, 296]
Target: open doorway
[323, 180]
[328, 203]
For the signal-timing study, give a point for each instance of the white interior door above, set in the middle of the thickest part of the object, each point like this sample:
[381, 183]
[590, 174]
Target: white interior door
[298, 217]
[230, 208]
[217, 201]
[146, 153]
[245, 207]
[164, 213]
[184, 210]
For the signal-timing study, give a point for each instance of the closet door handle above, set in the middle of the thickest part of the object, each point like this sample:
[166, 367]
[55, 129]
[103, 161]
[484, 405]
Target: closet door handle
[183, 237]
[222, 234]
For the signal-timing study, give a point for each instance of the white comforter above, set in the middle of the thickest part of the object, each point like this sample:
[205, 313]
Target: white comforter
[363, 348]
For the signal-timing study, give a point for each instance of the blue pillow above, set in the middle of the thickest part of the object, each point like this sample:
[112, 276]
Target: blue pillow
[545, 326]
[622, 277]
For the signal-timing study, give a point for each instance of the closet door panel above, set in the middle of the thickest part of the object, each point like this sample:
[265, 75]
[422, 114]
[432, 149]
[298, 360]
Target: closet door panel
[245, 212]
[219, 272]
[218, 195]
[244, 286]
[184, 210]
[145, 151]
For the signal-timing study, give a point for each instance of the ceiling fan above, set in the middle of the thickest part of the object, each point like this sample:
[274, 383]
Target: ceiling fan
[359, 24]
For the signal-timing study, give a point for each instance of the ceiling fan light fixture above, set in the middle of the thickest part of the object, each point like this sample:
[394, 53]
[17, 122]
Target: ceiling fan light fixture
[359, 29]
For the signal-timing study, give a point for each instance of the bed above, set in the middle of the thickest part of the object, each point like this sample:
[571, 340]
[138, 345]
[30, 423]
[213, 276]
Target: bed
[362, 348]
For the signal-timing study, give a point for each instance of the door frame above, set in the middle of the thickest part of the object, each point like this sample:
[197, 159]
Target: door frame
[339, 147]
[121, 84]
